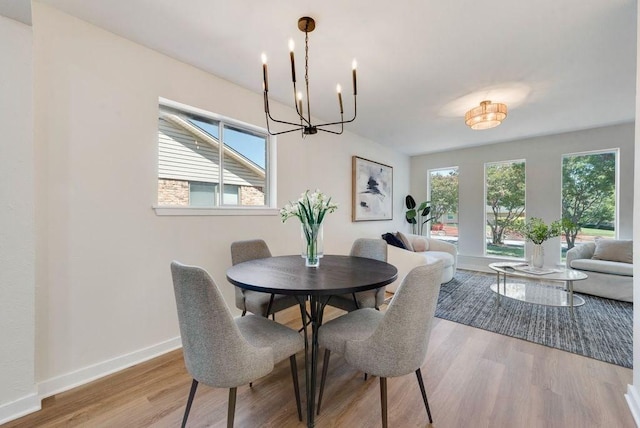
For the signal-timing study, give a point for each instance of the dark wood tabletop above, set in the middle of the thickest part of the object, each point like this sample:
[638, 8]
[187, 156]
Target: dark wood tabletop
[289, 275]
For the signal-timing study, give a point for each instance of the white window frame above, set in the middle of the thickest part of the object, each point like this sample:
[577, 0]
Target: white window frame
[270, 207]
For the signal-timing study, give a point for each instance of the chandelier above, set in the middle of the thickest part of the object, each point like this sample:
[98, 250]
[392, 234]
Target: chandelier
[306, 25]
[486, 115]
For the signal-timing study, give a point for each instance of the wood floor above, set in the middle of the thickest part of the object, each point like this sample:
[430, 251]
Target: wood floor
[473, 378]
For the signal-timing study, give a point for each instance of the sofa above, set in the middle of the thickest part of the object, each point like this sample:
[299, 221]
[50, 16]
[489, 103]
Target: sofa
[421, 251]
[608, 264]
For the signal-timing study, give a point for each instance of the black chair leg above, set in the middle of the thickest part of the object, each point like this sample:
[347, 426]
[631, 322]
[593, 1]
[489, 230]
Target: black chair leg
[424, 394]
[192, 393]
[325, 368]
[296, 387]
[232, 407]
[383, 400]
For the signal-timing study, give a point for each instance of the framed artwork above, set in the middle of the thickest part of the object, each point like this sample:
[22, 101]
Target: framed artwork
[372, 186]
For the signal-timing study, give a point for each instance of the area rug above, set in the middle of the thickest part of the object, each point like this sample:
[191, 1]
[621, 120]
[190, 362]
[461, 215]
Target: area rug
[602, 328]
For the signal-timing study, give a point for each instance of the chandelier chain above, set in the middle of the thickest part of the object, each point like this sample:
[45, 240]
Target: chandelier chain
[306, 72]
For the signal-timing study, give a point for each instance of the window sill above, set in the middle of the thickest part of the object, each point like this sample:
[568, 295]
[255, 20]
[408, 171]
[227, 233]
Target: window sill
[218, 211]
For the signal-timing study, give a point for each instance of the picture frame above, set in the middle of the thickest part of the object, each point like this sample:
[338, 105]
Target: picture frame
[372, 190]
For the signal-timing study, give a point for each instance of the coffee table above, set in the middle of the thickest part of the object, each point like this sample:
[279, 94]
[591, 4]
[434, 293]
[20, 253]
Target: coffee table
[537, 293]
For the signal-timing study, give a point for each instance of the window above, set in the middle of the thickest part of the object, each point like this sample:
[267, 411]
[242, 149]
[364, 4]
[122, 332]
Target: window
[505, 199]
[443, 191]
[207, 161]
[588, 197]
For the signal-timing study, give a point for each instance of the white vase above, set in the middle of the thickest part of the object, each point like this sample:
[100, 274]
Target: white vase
[537, 257]
[312, 244]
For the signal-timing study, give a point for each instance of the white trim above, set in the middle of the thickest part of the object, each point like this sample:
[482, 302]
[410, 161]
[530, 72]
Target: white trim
[191, 211]
[88, 374]
[19, 408]
[633, 401]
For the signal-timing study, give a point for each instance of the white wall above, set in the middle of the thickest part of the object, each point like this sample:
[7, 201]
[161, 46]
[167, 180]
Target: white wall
[543, 157]
[633, 393]
[17, 234]
[105, 297]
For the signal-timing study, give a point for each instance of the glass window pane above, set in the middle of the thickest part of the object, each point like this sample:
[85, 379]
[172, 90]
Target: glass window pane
[588, 197]
[202, 194]
[245, 158]
[230, 196]
[505, 198]
[443, 188]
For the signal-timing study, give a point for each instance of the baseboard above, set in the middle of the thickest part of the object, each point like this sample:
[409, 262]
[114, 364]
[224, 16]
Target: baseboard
[633, 401]
[18, 408]
[88, 374]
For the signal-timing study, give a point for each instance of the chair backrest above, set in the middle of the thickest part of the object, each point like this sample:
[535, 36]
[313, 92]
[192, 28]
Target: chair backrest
[369, 248]
[399, 344]
[242, 251]
[215, 352]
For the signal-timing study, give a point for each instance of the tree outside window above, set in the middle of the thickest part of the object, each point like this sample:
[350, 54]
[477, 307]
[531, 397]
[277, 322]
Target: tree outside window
[505, 199]
[443, 186]
[589, 196]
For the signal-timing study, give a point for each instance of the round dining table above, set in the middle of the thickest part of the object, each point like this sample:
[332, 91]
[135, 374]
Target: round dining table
[289, 275]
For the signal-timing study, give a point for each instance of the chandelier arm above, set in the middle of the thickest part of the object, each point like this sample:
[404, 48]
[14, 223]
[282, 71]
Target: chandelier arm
[355, 113]
[330, 131]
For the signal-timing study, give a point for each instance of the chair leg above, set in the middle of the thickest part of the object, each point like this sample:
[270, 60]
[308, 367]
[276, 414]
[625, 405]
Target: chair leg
[383, 400]
[232, 407]
[325, 368]
[192, 393]
[424, 394]
[296, 387]
[244, 312]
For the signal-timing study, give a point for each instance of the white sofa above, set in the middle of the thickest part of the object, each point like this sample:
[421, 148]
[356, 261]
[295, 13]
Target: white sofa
[406, 260]
[608, 276]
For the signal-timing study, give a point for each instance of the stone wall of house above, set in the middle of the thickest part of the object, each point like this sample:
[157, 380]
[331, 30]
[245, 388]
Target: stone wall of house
[250, 195]
[173, 192]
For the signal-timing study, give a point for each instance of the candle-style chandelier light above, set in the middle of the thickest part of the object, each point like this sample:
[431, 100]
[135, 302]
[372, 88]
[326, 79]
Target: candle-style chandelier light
[306, 25]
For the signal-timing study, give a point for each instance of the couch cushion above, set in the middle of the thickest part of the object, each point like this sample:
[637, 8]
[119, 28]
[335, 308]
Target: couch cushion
[434, 256]
[407, 243]
[614, 250]
[603, 266]
[392, 240]
[420, 244]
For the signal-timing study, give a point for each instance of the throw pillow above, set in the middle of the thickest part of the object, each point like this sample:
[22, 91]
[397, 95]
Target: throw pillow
[614, 250]
[392, 240]
[420, 245]
[407, 244]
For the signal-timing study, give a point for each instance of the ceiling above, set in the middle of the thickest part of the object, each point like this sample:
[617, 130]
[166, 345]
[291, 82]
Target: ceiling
[558, 65]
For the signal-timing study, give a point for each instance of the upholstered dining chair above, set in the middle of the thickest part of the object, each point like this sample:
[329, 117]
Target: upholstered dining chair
[222, 351]
[253, 301]
[372, 249]
[389, 344]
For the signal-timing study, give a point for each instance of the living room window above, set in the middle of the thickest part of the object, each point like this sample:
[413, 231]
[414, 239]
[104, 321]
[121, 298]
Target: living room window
[208, 161]
[505, 188]
[589, 197]
[443, 195]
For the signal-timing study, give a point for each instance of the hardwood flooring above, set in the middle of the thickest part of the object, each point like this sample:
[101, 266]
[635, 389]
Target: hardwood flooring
[473, 378]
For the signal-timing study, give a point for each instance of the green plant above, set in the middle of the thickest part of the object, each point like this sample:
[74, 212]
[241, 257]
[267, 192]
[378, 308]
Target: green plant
[537, 231]
[417, 215]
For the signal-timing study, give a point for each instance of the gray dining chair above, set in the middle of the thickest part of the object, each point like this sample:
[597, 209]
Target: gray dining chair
[389, 344]
[225, 352]
[253, 301]
[372, 249]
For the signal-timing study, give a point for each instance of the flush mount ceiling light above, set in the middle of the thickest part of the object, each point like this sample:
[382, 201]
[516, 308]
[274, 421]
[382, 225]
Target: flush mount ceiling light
[306, 25]
[486, 115]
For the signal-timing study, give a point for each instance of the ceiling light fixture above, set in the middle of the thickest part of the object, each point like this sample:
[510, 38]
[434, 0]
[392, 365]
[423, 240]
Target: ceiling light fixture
[306, 25]
[486, 115]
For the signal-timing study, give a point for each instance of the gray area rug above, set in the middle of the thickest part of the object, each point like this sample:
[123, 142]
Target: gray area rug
[602, 328]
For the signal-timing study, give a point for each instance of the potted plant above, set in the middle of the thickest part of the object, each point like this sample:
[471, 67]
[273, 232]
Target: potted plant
[537, 231]
[417, 215]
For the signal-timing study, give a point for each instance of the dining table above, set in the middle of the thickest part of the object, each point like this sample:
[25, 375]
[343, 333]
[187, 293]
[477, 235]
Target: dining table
[335, 275]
